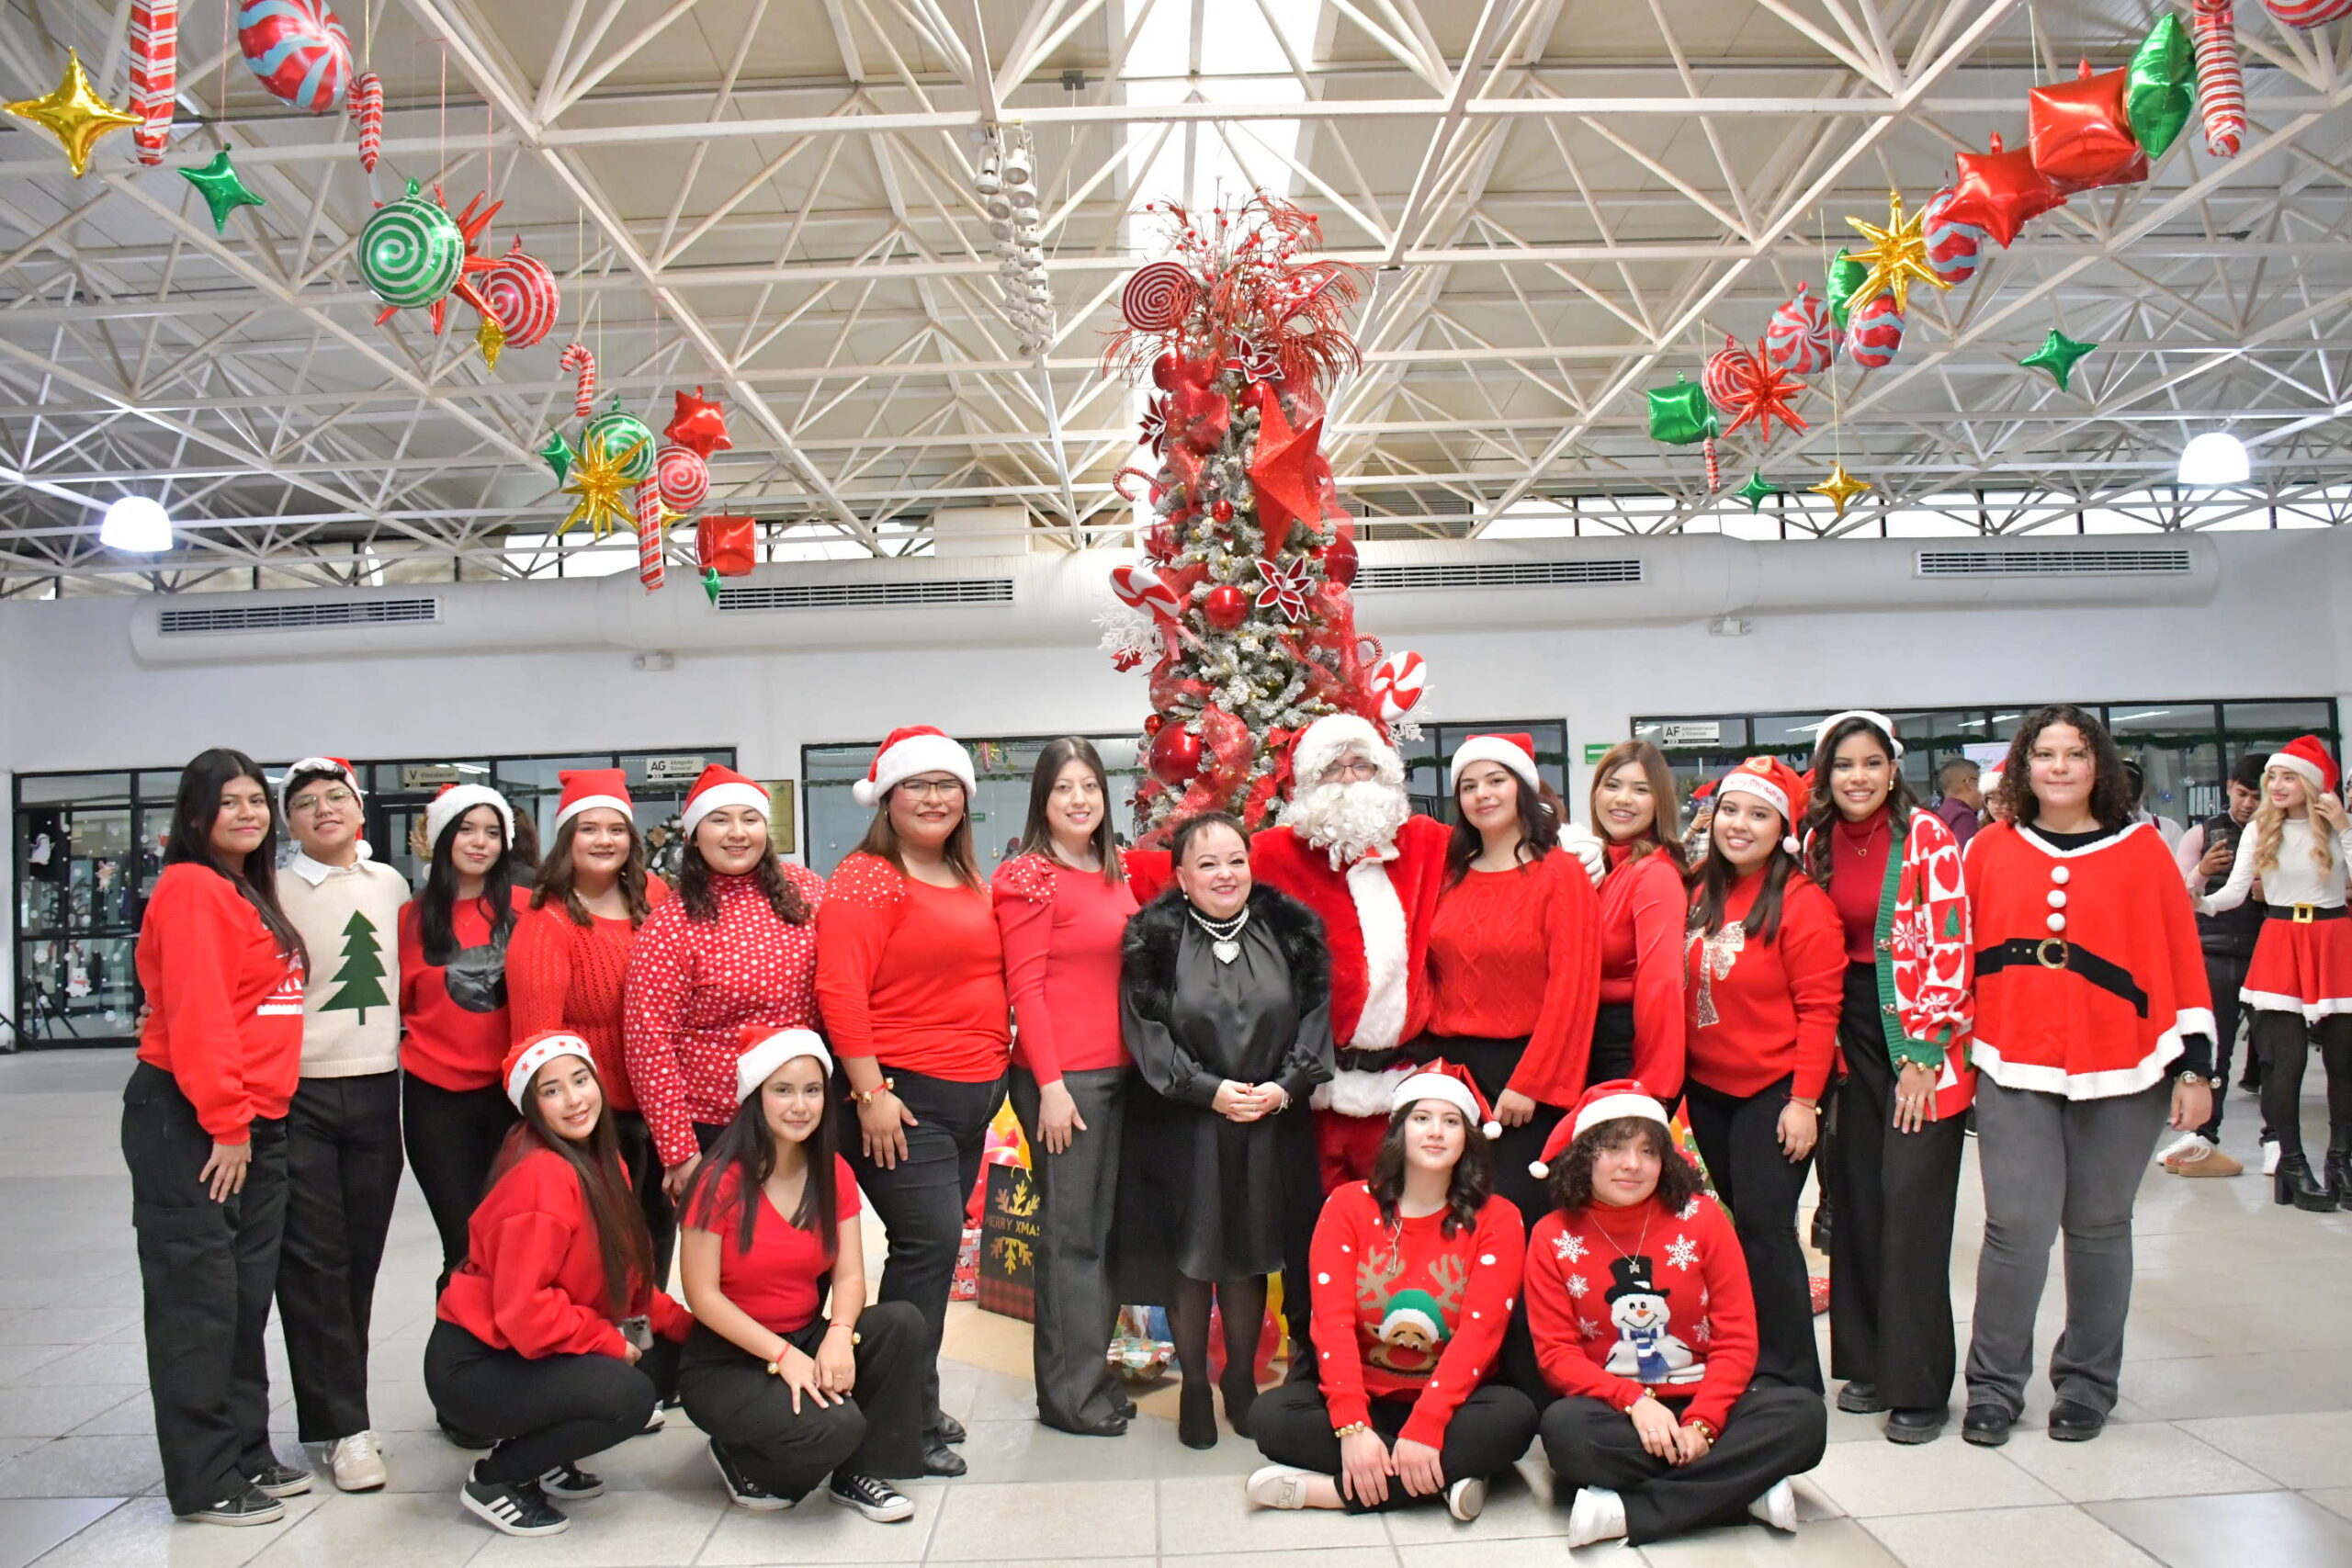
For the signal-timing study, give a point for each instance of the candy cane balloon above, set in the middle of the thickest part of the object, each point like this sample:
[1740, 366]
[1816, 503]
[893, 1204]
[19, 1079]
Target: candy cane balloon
[651, 517]
[2309, 14]
[154, 73]
[575, 356]
[368, 113]
[2221, 83]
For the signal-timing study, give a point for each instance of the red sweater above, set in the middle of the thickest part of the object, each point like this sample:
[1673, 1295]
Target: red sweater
[1600, 1334]
[692, 986]
[447, 1045]
[912, 974]
[1643, 912]
[562, 975]
[1763, 1011]
[533, 1277]
[1061, 929]
[1517, 954]
[225, 1006]
[1857, 852]
[1408, 1312]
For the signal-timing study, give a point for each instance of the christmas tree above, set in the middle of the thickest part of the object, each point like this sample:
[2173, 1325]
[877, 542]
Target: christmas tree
[361, 979]
[1240, 605]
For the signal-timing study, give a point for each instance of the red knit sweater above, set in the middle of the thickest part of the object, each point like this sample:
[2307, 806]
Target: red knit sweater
[1691, 1334]
[1517, 954]
[225, 1006]
[912, 974]
[1409, 1312]
[1643, 911]
[692, 986]
[1857, 852]
[563, 976]
[1061, 930]
[1763, 1011]
[450, 1046]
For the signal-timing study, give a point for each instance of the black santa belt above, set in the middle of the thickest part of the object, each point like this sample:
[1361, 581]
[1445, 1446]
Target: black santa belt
[2304, 914]
[2057, 952]
[1347, 1059]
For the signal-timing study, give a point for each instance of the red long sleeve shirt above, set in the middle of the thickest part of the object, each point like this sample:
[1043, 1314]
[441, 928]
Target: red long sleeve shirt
[1643, 912]
[447, 1045]
[563, 976]
[533, 1277]
[225, 1016]
[1061, 929]
[1763, 1011]
[1408, 1312]
[912, 974]
[1600, 1335]
[1857, 852]
[1516, 953]
[692, 986]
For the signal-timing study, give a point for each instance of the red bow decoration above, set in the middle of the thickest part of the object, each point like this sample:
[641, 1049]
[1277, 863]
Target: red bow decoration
[1282, 469]
[2081, 132]
[2000, 192]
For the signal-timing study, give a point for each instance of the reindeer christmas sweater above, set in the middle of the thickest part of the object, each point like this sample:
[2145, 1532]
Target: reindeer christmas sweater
[1404, 1310]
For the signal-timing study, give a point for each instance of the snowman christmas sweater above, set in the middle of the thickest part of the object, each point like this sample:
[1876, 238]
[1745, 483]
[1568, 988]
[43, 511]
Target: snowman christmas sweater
[1626, 1302]
[1404, 1310]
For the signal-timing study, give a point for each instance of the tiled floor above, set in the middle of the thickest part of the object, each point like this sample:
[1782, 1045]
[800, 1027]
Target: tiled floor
[2234, 1445]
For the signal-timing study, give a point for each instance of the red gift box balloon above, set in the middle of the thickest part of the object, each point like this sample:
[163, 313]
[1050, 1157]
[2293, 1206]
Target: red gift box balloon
[2081, 131]
[726, 545]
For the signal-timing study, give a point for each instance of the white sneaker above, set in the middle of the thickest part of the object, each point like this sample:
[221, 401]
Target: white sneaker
[1598, 1515]
[1777, 1507]
[2269, 1156]
[355, 1463]
[1278, 1487]
[2180, 1145]
[1466, 1499]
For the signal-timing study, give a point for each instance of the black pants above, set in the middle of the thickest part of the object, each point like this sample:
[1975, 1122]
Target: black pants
[1491, 1064]
[1488, 1432]
[206, 1270]
[2225, 977]
[746, 1409]
[1771, 1434]
[342, 1175]
[1612, 1044]
[645, 1174]
[453, 1137]
[921, 1202]
[1890, 1282]
[1078, 1192]
[544, 1410]
[1740, 1139]
[2284, 1040]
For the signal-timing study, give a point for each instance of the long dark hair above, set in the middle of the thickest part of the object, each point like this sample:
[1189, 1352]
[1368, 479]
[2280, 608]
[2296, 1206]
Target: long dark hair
[1038, 836]
[1711, 884]
[197, 806]
[1539, 828]
[882, 841]
[701, 900]
[554, 878]
[746, 1149]
[2111, 802]
[622, 1244]
[1822, 816]
[436, 907]
[1571, 1183]
[1663, 840]
[1466, 1190]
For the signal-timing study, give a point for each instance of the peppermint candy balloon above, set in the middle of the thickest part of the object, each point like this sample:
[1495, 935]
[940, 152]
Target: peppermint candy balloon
[154, 73]
[1875, 334]
[1955, 249]
[1157, 297]
[1801, 337]
[621, 439]
[2309, 14]
[1139, 588]
[368, 113]
[410, 251]
[522, 293]
[1397, 684]
[299, 49]
[684, 476]
[1726, 369]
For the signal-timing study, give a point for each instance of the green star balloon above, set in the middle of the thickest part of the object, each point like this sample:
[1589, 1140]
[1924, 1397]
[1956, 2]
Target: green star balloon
[1845, 274]
[558, 454]
[1756, 490]
[2159, 92]
[2058, 355]
[710, 584]
[223, 189]
[1680, 414]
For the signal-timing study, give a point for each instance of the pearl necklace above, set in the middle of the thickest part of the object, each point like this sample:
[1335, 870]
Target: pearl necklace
[1224, 936]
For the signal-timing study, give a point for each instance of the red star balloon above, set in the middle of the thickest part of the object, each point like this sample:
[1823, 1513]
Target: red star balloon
[698, 426]
[2000, 192]
[470, 223]
[1763, 393]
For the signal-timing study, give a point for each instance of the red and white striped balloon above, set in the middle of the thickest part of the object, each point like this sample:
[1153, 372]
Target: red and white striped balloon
[2221, 81]
[1139, 588]
[523, 295]
[1397, 684]
[576, 357]
[1801, 337]
[1955, 249]
[154, 73]
[368, 113]
[299, 50]
[650, 520]
[681, 476]
[1722, 377]
[1874, 334]
[2309, 14]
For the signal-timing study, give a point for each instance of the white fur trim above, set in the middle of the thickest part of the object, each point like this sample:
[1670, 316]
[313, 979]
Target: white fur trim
[1739, 780]
[454, 801]
[1492, 749]
[596, 803]
[915, 754]
[528, 1065]
[2280, 1002]
[1332, 737]
[1986, 1059]
[2302, 767]
[1382, 916]
[1451, 1090]
[1878, 721]
[1354, 1092]
[759, 1064]
[1610, 1107]
[719, 796]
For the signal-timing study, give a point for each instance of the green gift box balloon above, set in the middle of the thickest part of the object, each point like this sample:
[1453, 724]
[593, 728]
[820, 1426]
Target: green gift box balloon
[1680, 414]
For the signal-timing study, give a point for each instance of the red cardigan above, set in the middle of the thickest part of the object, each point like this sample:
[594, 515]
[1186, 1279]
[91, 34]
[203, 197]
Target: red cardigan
[1759, 1012]
[1643, 911]
[450, 1046]
[225, 1016]
[1515, 954]
[912, 974]
[533, 1277]
[562, 975]
[1061, 929]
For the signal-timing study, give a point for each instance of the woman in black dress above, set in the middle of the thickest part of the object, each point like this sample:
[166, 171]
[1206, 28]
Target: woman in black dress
[1225, 996]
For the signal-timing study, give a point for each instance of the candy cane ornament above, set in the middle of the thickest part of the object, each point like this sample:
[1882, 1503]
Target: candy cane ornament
[651, 516]
[154, 73]
[1714, 468]
[575, 356]
[368, 113]
[2221, 82]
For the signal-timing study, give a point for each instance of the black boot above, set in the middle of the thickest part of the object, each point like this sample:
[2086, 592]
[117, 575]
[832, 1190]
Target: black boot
[2339, 1176]
[1195, 1416]
[2295, 1185]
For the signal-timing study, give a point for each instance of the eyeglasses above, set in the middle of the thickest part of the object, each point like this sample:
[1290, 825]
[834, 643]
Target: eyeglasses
[932, 789]
[324, 797]
[1351, 768]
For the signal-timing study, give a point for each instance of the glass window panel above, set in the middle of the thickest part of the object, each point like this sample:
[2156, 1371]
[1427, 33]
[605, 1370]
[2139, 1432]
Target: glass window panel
[49, 789]
[999, 807]
[532, 787]
[1428, 757]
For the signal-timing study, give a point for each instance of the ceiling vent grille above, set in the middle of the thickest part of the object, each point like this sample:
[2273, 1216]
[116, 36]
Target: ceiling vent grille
[1500, 574]
[421, 611]
[2170, 561]
[868, 595]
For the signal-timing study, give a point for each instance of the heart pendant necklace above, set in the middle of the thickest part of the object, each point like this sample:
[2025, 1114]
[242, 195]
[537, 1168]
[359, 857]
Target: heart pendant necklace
[1224, 936]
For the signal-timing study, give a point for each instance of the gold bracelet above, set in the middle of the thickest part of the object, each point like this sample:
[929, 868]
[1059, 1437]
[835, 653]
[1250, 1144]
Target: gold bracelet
[864, 1097]
[1352, 1429]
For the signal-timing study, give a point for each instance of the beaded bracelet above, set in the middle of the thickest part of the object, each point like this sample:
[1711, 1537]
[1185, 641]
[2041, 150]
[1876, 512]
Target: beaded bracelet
[1352, 1429]
[865, 1097]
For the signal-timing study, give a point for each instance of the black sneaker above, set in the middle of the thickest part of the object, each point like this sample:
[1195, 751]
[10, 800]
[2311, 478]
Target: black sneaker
[871, 1496]
[570, 1483]
[512, 1509]
[747, 1493]
[281, 1479]
[251, 1507]
[459, 1439]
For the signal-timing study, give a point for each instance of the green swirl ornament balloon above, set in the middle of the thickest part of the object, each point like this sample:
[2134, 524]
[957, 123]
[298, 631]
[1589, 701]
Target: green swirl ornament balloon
[410, 251]
[622, 440]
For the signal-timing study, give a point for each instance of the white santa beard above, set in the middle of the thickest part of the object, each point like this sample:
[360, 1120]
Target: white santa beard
[1350, 820]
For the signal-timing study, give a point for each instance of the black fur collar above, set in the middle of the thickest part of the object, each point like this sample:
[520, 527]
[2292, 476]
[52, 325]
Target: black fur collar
[1147, 953]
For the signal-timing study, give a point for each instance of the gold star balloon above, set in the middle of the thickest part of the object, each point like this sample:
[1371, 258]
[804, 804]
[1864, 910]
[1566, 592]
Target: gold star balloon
[603, 492]
[74, 114]
[1840, 486]
[1897, 254]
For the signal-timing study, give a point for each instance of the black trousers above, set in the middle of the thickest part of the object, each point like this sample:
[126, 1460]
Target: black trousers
[206, 1270]
[453, 1137]
[645, 1174]
[746, 1409]
[921, 1202]
[1488, 1432]
[1890, 1280]
[1612, 1044]
[1740, 1139]
[2225, 977]
[1491, 1064]
[342, 1175]
[1771, 1434]
[544, 1410]
[1078, 1192]
[2284, 1041]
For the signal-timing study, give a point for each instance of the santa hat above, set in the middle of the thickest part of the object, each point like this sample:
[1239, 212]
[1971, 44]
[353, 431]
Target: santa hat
[1329, 738]
[309, 770]
[593, 789]
[2307, 758]
[1703, 790]
[1878, 721]
[1451, 1082]
[454, 800]
[1516, 752]
[525, 1059]
[917, 749]
[718, 785]
[1775, 783]
[1603, 1103]
[766, 1048]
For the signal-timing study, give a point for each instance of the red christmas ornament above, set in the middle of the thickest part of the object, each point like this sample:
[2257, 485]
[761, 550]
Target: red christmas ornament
[1151, 724]
[1340, 560]
[1226, 607]
[1175, 755]
[2001, 192]
[2081, 132]
[1222, 510]
[698, 426]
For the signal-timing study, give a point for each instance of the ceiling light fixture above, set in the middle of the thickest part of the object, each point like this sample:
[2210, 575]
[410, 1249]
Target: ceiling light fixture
[2216, 458]
[137, 524]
